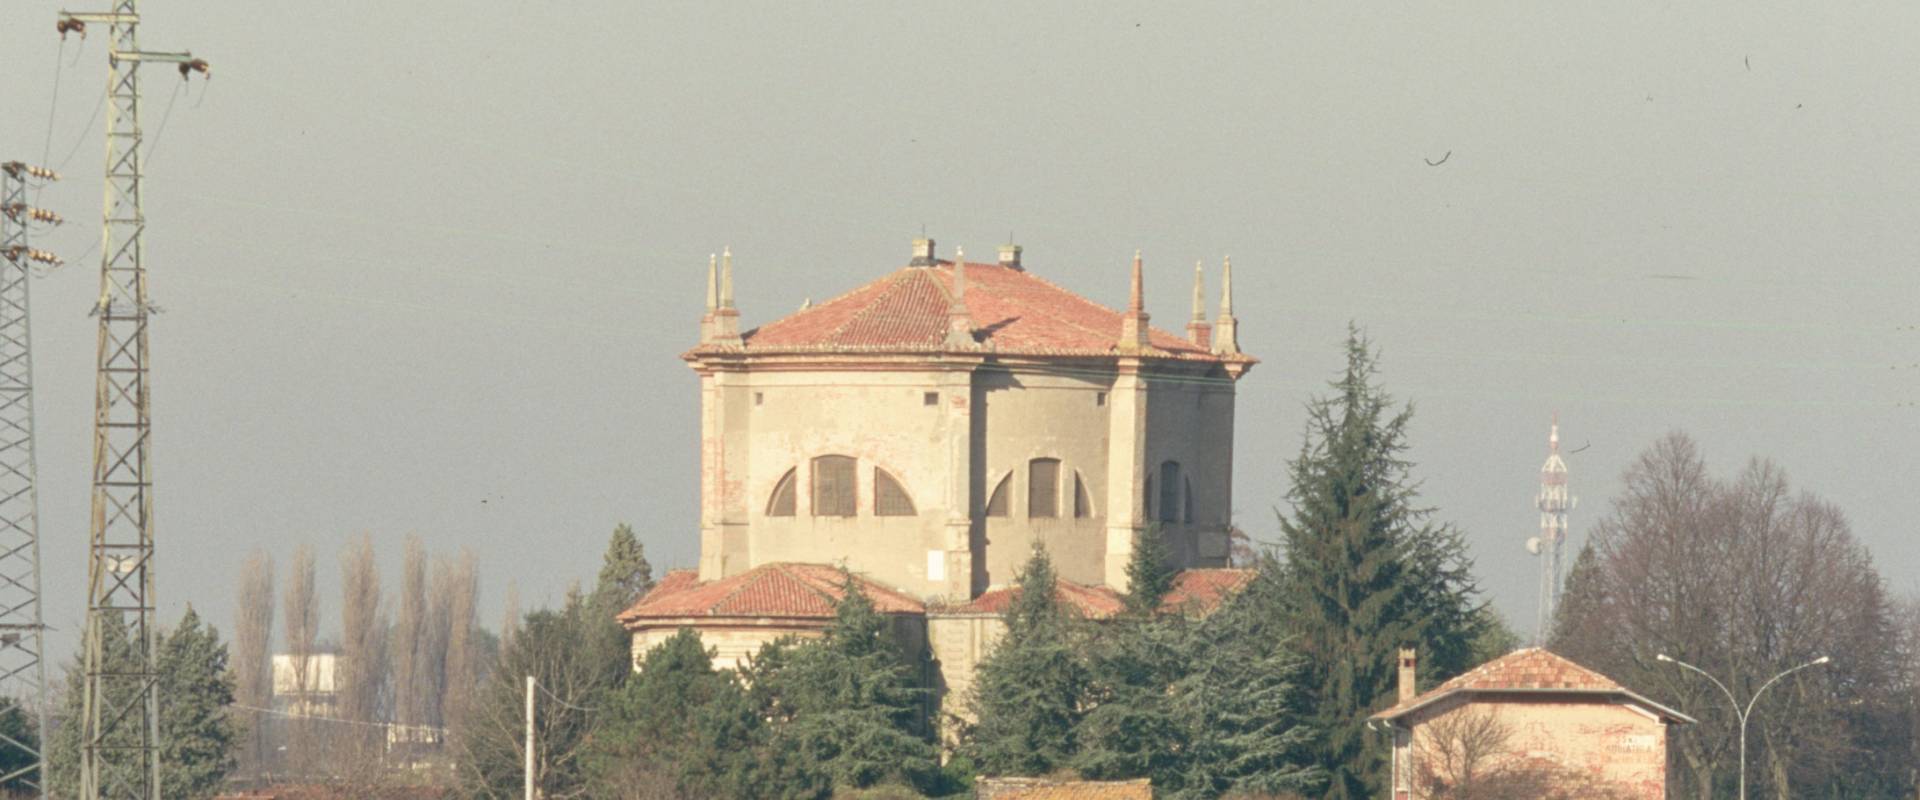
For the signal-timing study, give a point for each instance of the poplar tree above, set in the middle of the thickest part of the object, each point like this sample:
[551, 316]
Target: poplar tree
[1029, 692]
[1366, 572]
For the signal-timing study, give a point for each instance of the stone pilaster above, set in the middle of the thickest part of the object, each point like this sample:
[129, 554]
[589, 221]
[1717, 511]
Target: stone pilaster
[1126, 468]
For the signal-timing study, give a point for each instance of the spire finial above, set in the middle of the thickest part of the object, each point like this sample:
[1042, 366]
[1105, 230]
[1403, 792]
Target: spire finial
[1199, 292]
[1198, 331]
[959, 322]
[1226, 287]
[1133, 324]
[1553, 434]
[1226, 330]
[726, 320]
[1134, 300]
[959, 274]
[713, 282]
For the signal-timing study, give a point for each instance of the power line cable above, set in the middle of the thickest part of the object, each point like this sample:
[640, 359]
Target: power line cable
[550, 695]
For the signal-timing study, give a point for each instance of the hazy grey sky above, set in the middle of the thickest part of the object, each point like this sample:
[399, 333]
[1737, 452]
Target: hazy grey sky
[428, 266]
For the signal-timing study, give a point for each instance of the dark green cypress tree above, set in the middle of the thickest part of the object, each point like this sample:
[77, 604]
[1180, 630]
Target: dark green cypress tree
[1241, 703]
[678, 721]
[1029, 692]
[857, 704]
[625, 574]
[15, 725]
[198, 738]
[1149, 576]
[1367, 572]
[1132, 730]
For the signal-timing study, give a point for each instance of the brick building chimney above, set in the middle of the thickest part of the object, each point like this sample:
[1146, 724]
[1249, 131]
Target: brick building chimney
[1409, 673]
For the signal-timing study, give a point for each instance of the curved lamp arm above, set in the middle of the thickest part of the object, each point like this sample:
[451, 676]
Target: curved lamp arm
[1703, 673]
[1763, 687]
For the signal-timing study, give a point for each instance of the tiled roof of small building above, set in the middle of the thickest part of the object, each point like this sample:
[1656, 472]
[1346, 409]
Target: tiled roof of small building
[1090, 602]
[1012, 312]
[1201, 591]
[1044, 789]
[1195, 591]
[1530, 670]
[769, 590]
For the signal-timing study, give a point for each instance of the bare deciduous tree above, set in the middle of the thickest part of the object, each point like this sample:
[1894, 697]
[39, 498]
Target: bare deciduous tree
[252, 659]
[1466, 755]
[1744, 579]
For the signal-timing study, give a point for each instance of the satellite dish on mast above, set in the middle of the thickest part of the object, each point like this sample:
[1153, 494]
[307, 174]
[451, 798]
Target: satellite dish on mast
[1533, 545]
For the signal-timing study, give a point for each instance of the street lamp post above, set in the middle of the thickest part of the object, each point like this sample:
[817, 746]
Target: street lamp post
[1743, 713]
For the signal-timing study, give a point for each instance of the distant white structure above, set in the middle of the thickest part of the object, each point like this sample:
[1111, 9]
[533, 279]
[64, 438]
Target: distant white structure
[319, 695]
[1554, 502]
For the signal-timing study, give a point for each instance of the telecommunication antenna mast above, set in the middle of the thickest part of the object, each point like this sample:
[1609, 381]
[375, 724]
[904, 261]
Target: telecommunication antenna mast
[120, 717]
[1554, 502]
[22, 626]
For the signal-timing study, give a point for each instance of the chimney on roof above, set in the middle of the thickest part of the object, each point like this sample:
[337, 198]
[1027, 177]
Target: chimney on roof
[1133, 324]
[1198, 330]
[1409, 664]
[923, 253]
[1010, 256]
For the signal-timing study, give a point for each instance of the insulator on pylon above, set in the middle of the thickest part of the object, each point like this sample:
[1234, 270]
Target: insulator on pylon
[65, 26]
[199, 65]
[17, 252]
[18, 210]
[18, 169]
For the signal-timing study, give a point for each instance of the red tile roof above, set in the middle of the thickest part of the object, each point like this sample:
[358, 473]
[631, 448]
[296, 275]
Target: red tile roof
[1202, 591]
[769, 590]
[1198, 591]
[1012, 311]
[1090, 602]
[1530, 670]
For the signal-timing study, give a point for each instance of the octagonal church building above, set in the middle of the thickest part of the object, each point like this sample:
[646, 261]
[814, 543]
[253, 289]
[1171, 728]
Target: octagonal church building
[926, 429]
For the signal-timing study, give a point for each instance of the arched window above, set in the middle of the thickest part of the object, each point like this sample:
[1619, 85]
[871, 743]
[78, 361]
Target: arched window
[1082, 501]
[889, 497]
[997, 502]
[781, 503]
[1043, 487]
[1170, 483]
[833, 487]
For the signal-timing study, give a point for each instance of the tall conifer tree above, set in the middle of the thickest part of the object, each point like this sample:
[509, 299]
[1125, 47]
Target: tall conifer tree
[1149, 577]
[1367, 572]
[1030, 691]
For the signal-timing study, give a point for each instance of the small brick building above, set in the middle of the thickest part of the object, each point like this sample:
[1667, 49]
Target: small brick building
[1529, 715]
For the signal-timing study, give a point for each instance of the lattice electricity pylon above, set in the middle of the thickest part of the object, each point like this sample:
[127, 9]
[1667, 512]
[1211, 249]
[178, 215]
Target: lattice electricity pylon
[120, 709]
[23, 669]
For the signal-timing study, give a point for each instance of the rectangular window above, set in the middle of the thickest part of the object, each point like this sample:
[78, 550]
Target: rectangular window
[1099, 398]
[930, 399]
[833, 487]
[1043, 487]
[759, 397]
